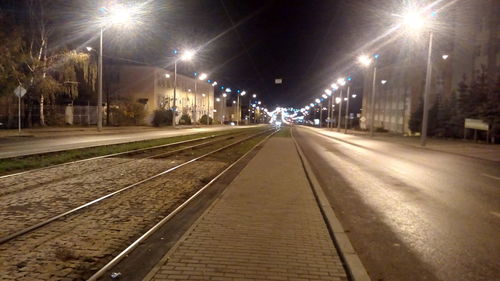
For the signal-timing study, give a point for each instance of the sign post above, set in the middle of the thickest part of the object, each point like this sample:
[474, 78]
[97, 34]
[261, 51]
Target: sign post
[19, 92]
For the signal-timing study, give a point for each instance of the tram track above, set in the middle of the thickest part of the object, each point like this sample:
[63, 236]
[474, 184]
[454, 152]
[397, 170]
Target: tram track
[14, 183]
[131, 203]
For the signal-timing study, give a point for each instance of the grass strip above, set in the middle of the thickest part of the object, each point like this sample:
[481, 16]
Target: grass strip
[19, 164]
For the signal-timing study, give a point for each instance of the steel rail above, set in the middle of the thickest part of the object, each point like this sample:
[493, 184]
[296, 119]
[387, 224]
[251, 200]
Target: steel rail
[105, 156]
[159, 224]
[114, 154]
[224, 137]
[19, 233]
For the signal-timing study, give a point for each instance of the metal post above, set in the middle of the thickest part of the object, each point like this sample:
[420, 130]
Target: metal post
[320, 115]
[328, 113]
[174, 108]
[425, 119]
[224, 108]
[340, 111]
[331, 111]
[195, 113]
[208, 109]
[238, 110]
[19, 113]
[347, 109]
[99, 95]
[372, 103]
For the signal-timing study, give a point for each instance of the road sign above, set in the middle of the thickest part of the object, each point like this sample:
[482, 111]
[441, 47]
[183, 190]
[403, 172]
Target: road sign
[19, 91]
[476, 124]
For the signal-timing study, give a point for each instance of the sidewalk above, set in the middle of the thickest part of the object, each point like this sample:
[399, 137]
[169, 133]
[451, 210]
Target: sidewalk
[50, 140]
[87, 130]
[468, 148]
[265, 226]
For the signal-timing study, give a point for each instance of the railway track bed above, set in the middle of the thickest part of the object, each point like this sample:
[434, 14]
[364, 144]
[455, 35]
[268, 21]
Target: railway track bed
[73, 246]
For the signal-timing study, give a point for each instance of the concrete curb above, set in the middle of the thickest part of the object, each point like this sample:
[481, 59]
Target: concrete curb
[355, 268]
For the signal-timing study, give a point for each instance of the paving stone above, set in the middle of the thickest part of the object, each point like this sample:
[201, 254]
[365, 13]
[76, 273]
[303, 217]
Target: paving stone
[266, 226]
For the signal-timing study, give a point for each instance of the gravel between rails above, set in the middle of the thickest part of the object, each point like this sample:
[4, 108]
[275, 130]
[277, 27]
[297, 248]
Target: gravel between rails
[60, 172]
[30, 206]
[73, 247]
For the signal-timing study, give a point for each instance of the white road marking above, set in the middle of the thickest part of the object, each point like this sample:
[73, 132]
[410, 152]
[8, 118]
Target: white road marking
[495, 214]
[490, 176]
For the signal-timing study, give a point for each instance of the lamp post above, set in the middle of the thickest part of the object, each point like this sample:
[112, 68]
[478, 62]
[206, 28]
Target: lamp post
[416, 21]
[201, 77]
[367, 61]
[224, 95]
[185, 56]
[318, 101]
[238, 108]
[347, 108]
[111, 16]
[341, 82]
[425, 118]
[335, 87]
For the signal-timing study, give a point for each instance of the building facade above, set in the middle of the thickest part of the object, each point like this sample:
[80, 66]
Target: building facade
[154, 88]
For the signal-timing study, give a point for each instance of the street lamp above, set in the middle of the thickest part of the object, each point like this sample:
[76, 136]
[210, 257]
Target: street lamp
[238, 109]
[111, 16]
[224, 95]
[185, 56]
[415, 21]
[366, 61]
[341, 82]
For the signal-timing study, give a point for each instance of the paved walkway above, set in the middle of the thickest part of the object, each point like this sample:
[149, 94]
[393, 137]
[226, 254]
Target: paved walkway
[57, 139]
[266, 226]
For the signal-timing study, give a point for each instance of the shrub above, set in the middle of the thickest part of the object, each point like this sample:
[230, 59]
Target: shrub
[185, 120]
[203, 120]
[125, 112]
[162, 117]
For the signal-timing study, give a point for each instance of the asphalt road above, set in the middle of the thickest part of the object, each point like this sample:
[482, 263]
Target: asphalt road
[411, 213]
[18, 146]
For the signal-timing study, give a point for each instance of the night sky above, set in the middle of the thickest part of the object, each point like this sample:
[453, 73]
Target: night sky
[243, 44]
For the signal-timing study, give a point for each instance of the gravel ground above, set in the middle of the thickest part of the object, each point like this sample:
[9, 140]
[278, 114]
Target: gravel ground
[72, 248]
[29, 206]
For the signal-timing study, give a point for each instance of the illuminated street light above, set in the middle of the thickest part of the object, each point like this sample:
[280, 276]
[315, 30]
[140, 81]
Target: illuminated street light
[224, 95]
[202, 76]
[328, 92]
[111, 16]
[418, 21]
[167, 75]
[383, 82]
[334, 86]
[214, 84]
[324, 96]
[228, 90]
[187, 55]
[254, 95]
[364, 60]
[341, 81]
[317, 100]
[89, 49]
[238, 108]
[445, 57]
